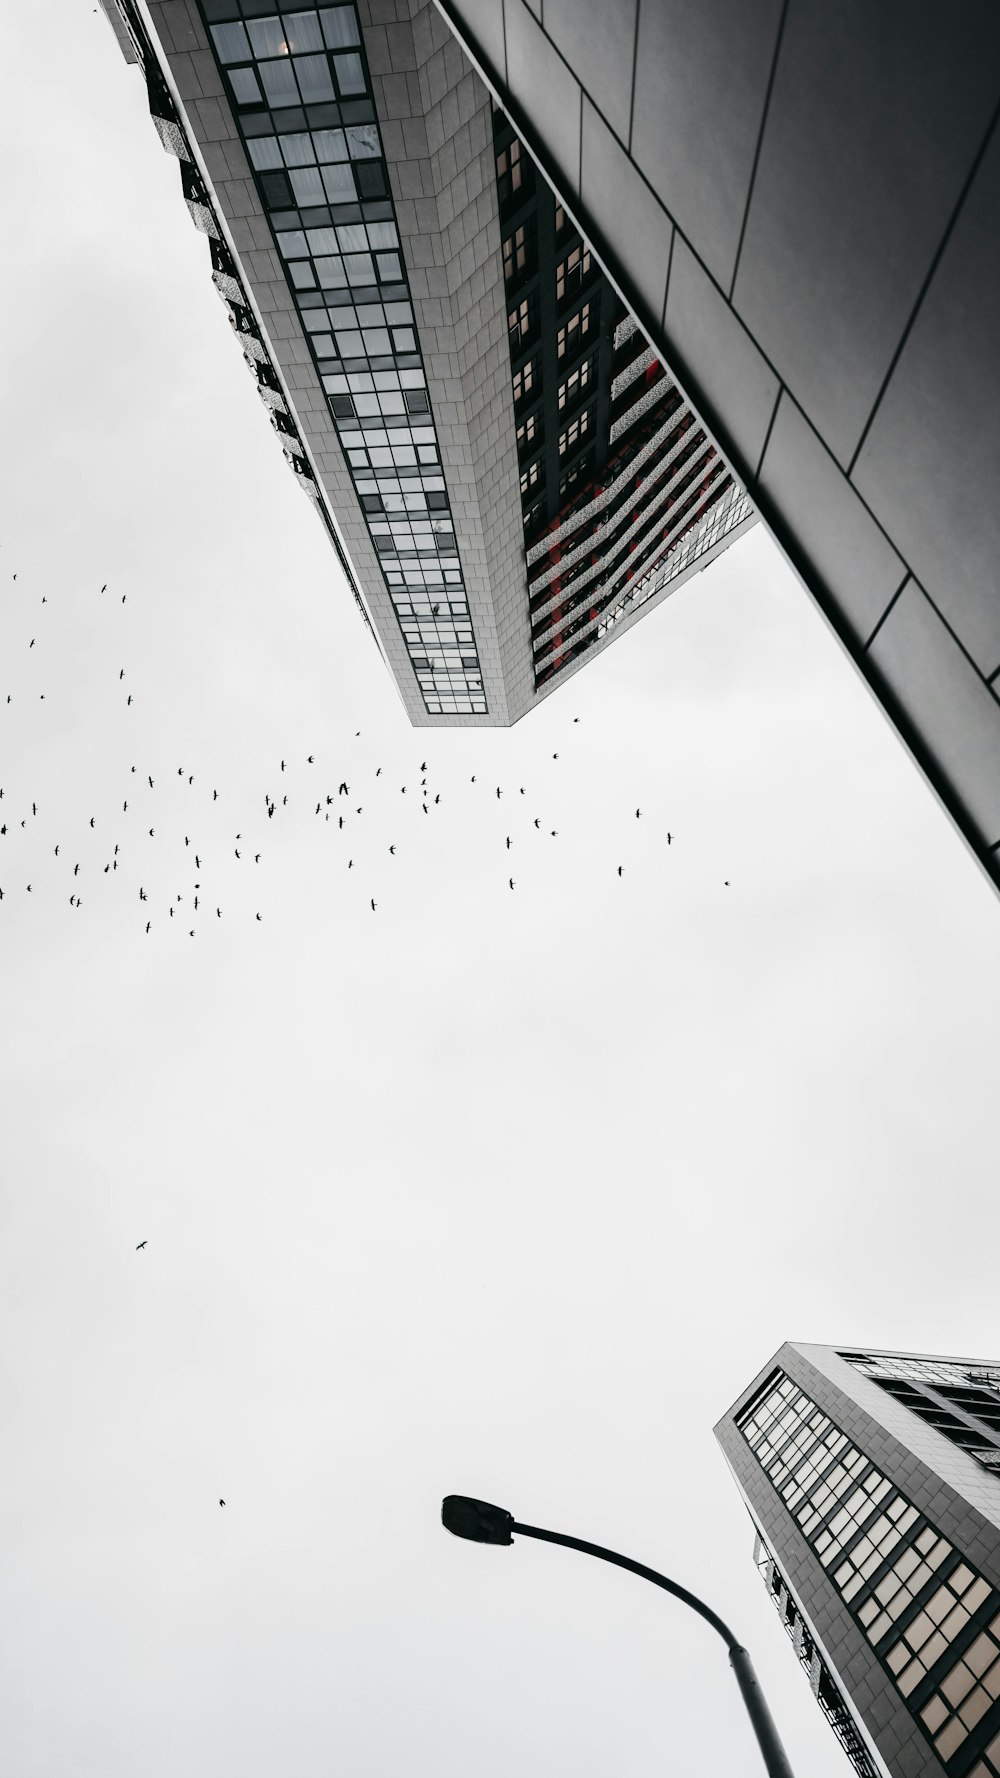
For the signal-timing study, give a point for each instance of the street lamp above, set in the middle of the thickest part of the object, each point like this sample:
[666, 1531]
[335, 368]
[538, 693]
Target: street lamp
[483, 1523]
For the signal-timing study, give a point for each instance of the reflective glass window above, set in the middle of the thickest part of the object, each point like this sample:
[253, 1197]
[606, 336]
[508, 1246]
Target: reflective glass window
[307, 185]
[231, 43]
[338, 183]
[302, 31]
[279, 84]
[267, 37]
[330, 145]
[350, 75]
[363, 142]
[246, 90]
[339, 27]
[264, 151]
[314, 79]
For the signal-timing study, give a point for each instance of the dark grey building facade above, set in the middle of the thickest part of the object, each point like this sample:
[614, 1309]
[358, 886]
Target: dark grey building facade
[872, 1480]
[509, 476]
[800, 200]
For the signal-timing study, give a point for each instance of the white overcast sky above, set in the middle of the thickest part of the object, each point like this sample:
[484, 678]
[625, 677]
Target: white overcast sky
[507, 1193]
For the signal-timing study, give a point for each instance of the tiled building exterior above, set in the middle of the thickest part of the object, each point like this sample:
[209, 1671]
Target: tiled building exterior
[873, 1483]
[801, 203]
[507, 473]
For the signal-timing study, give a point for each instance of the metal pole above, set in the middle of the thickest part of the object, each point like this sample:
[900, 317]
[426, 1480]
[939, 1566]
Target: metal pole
[768, 1739]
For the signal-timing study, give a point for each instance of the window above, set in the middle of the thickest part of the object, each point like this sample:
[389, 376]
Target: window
[531, 477]
[870, 1524]
[529, 433]
[231, 43]
[522, 320]
[340, 27]
[302, 31]
[969, 1689]
[575, 331]
[510, 171]
[524, 380]
[279, 83]
[314, 79]
[577, 381]
[577, 475]
[571, 271]
[245, 89]
[560, 219]
[517, 254]
[575, 431]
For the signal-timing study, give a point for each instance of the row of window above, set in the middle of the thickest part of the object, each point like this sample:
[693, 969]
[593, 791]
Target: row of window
[529, 431]
[519, 259]
[522, 325]
[346, 271]
[884, 1560]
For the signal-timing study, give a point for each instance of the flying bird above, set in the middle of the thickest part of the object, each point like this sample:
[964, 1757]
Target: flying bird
[669, 839]
[619, 870]
[373, 905]
[392, 849]
[508, 842]
[141, 1244]
[537, 822]
[638, 813]
[499, 793]
[222, 1502]
[511, 881]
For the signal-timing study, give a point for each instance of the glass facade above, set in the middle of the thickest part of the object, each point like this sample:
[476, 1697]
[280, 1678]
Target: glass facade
[300, 92]
[621, 489]
[932, 1621]
[960, 1401]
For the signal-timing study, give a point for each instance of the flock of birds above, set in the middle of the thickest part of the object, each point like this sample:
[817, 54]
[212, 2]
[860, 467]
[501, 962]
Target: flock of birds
[108, 847]
[126, 839]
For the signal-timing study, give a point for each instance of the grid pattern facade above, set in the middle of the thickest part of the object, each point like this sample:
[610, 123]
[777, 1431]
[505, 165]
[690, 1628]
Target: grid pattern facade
[426, 326]
[300, 90]
[137, 45]
[961, 1401]
[617, 476]
[932, 1621]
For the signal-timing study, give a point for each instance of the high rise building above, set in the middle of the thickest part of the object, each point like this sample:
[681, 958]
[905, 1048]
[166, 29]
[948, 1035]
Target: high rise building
[801, 203]
[872, 1480]
[507, 472]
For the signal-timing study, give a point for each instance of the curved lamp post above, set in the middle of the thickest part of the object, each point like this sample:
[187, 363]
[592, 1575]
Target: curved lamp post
[483, 1523]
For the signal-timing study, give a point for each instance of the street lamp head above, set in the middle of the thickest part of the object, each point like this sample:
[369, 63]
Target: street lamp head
[476, 1519]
